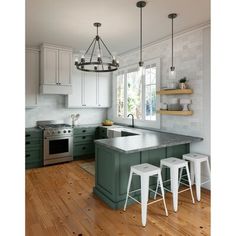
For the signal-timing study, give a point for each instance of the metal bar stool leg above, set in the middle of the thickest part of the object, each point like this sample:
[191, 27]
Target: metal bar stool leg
[192, 172]
[163, 195]
[174, 187]
[190, 184]
[155, 195]
[144, 197]
[180, 176]
[209, 169]
[197, 171]
[128, 189]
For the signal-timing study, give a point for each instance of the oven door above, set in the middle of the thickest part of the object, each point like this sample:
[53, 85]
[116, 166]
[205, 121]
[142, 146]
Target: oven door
[58, 147]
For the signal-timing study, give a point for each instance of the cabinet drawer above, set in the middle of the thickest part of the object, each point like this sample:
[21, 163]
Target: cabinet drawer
[33, 144]
[33, 155]
[84, 149]
[84, 139]
[102, 132]
[33, 135]
[85, 130]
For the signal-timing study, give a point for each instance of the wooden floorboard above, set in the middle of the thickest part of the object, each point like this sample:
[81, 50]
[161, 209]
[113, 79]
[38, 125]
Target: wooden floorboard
[59, 201]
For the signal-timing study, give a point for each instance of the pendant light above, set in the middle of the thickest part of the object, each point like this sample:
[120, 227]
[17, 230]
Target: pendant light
[172, 72]
[141, 5]
[98, 63]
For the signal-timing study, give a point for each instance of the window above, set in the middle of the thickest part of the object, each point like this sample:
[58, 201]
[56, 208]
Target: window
[136, 93]
[150, 93]
[120, 95]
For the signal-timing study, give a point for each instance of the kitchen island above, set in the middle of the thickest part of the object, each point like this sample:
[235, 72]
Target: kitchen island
[114, 157]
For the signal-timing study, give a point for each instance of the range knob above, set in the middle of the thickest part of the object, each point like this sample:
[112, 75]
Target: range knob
[69, 131]
[58, 132]
[64, 131]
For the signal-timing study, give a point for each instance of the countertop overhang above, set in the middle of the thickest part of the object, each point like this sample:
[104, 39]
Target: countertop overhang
[145, 140]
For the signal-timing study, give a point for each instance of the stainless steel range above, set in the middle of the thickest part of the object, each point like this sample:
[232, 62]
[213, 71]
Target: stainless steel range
[57, 142]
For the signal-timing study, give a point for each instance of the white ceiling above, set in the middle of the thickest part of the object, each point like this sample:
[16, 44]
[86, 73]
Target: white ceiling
[70, 22]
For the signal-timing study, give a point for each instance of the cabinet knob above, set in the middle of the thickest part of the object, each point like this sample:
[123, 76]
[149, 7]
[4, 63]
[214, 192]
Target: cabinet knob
[84, 148]
[27, 142]
[27, 135]
[84, 137]
[27, 155]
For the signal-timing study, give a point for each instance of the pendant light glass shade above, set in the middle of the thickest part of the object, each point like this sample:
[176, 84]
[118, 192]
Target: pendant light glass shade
[172, 70]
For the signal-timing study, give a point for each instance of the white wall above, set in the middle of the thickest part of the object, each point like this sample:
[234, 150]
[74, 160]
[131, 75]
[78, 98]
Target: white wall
[52, 107]
[191, 59]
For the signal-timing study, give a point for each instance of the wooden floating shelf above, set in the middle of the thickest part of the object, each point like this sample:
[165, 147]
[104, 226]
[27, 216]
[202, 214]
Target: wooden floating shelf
[177, 113]
[175, 91]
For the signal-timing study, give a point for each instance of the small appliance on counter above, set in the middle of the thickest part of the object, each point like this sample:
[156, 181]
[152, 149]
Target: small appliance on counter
[57, 141]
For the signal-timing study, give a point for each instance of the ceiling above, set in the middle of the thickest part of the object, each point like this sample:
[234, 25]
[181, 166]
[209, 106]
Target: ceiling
[70, 22]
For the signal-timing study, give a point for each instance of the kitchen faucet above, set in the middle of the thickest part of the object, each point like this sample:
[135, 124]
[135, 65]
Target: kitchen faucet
[132, 119]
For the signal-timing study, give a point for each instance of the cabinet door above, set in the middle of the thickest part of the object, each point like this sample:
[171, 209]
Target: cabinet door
[64, 67]
[89, 83]
[31, 77]
[104, 90]
[50, 66]
[75, 99]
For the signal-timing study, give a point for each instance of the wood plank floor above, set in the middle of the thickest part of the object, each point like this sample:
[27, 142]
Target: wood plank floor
[59, 201]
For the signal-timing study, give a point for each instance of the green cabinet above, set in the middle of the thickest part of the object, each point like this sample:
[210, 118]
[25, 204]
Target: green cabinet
[84, 142]
[113, 167]
[33, 148]
[102, 132]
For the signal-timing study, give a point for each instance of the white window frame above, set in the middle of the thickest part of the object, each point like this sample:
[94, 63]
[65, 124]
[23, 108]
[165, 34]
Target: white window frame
[142, 122]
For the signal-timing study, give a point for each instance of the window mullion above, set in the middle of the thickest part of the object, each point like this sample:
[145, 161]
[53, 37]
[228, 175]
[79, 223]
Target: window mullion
[125, 94]
[143, 95]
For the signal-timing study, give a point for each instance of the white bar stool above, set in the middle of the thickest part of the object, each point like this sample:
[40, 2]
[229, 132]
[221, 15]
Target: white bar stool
[145, 171]
[196, 160]
[175, 164]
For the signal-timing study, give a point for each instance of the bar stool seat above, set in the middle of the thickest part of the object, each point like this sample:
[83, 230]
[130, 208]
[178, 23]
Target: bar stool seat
[145, 171]
[196, 160]
[175, 164]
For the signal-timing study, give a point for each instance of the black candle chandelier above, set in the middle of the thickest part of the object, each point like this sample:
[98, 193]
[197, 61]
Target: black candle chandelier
[172, 72]
[140, 5]
[97, 63]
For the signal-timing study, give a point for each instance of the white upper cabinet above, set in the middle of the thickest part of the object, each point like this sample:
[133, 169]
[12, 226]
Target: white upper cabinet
[89, 89]
[75, 99]
[55, 69]
[104, 89]
[65, 58]
[31, 77]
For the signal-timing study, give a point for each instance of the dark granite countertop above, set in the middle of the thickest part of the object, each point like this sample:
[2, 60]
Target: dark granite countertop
[145, 140]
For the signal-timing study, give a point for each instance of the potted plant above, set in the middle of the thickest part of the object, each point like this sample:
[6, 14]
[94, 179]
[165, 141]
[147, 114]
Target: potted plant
[182, 83]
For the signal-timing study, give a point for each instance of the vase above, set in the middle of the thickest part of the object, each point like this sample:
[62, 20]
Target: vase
[182, 85]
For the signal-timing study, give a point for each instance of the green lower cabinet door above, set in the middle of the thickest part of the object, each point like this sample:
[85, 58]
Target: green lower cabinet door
[33, 158]
[83, 149]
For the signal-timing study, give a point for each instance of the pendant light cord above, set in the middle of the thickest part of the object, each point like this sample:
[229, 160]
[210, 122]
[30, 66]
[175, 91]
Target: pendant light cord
[141, 33]
[172, 43]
